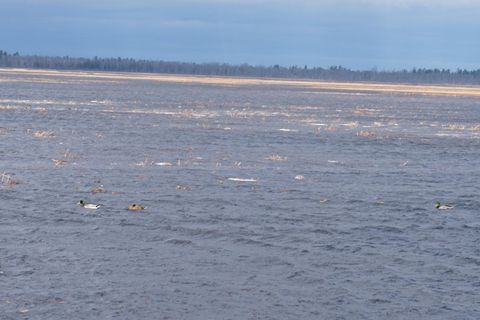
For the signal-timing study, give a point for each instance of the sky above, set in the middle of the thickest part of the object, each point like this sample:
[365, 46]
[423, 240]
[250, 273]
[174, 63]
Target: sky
[357, 34]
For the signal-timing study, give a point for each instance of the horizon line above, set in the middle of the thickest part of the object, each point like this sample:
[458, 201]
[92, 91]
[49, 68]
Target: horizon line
[274, 65]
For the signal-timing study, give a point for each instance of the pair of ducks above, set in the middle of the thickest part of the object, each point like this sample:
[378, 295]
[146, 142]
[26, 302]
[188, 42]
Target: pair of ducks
[131, 207]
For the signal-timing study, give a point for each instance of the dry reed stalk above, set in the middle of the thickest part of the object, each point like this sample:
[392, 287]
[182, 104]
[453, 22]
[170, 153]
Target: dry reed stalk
[98, 190]
[4, 131]
[366, 134]
[43, 134]
[475, 128]
[276, 157]
[58, 162]
[7, 108]
[456, 126]
[351, 125]
[69, 154]
[7, 180]
[331, 128]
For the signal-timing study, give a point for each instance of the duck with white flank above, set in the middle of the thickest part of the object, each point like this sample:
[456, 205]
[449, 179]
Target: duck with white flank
[440, 206]
[82, 203]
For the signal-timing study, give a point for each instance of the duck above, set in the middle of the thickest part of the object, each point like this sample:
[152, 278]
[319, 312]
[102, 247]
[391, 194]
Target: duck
[135, 207]
[440, 206]
[88, 205]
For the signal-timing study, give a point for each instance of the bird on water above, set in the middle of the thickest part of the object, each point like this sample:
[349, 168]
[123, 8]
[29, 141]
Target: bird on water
[82, 203]
[440, 206]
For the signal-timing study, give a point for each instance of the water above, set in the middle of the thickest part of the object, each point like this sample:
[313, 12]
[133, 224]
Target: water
[335, 218]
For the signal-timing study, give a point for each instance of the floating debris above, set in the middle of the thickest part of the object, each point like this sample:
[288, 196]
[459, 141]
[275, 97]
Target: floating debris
[7, 179]
[323, 200]
[350, 125]
[474, 128]
[69, 154]
[299, 177]
[456, 126]
[135, 207]
[242, 180]
[8, 108]
[58, 162]
[43, 134]
[40, 110]
[366, 134]
[183, 187]
[365, 111]
[332, 127]
[144, 163]
[4, 131]
[288, 130]
[276, 157]
[99, 190]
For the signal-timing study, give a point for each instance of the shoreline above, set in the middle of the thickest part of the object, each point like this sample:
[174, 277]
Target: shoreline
[360, 87]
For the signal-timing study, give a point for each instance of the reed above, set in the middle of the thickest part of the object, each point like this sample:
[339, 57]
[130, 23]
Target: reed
[8, 180]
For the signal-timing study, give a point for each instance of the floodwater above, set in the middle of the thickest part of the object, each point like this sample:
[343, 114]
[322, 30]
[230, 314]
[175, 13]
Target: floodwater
[262, 201]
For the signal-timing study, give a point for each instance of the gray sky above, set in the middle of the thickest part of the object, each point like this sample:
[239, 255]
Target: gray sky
[360, 34]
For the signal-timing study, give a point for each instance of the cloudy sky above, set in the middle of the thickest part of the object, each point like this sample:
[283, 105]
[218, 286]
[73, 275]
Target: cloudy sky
[361, 34]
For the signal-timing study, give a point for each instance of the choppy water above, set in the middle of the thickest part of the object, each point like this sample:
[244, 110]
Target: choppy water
[337, 220]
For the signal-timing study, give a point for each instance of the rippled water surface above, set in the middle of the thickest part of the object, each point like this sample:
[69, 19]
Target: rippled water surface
[263, 202]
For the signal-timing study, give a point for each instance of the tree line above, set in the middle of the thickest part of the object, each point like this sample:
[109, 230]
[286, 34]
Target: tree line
[333, 73]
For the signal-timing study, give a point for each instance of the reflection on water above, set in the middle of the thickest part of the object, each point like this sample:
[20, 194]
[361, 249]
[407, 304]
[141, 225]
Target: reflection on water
[267, 202]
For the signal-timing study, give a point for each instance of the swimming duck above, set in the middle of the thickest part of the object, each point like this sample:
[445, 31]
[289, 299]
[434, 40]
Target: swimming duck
[88, 205]
[135, 207]
[440, 206]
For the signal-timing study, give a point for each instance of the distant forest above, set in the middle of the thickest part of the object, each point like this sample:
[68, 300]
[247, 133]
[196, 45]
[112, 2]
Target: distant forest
[333, 73]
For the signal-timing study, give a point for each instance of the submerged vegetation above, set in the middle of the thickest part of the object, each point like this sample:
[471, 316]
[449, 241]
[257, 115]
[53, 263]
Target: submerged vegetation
[333, 73]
